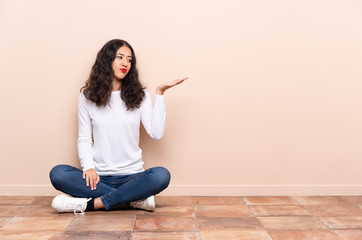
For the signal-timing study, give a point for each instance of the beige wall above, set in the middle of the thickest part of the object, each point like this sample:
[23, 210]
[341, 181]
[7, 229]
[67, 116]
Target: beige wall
[272, 106]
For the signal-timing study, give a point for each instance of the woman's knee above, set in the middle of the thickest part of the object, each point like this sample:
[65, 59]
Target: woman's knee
[57, 173]
[162, 176]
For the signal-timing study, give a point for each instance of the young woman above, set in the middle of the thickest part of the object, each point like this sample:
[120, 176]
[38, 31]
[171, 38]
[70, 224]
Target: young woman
[110, 109]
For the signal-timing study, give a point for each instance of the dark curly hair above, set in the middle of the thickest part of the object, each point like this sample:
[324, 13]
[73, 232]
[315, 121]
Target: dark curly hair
[98, 87]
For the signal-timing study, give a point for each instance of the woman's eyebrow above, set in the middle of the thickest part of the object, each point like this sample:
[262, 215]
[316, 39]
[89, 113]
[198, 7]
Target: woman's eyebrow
[123, 54]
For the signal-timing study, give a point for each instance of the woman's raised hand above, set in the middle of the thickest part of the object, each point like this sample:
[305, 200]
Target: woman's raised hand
[164, 86]
[91, 178]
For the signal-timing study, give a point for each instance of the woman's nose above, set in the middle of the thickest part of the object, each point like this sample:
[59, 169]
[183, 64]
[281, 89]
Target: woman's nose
[124, 63]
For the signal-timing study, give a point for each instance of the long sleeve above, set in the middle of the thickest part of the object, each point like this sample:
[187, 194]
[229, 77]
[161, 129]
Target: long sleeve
[84, 142]
[108, 136]
[154, 118]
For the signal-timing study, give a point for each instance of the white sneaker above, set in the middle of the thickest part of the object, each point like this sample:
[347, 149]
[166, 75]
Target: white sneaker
[63, 203]
[147, 204]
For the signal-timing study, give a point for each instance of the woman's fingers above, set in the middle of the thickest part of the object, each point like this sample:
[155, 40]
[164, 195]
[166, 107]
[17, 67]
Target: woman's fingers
[92, 178]
[181, 80]
[177, 81]
[163, 87]
[98, 179]
[87, 179]
[94, 187]
[91, 181]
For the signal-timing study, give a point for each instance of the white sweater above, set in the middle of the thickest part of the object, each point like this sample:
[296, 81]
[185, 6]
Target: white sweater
[115, 147]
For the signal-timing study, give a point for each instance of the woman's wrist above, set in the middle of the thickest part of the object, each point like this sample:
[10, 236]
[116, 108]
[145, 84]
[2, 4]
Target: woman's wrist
[159, 91]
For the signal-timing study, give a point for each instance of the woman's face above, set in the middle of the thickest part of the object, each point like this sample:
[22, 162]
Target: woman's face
[122, 63]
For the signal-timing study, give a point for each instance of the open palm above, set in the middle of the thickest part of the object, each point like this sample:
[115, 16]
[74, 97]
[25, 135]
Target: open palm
[164, 86]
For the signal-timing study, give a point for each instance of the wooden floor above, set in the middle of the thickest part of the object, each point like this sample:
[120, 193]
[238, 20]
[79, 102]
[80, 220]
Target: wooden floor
[272, 218]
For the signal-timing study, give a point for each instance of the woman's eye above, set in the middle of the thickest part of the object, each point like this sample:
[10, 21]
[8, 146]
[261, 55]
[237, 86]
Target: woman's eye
[129, 60]
[119, 57]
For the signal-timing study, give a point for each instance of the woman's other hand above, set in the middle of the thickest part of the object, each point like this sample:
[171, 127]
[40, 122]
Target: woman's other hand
[164, 86]
[91, 178]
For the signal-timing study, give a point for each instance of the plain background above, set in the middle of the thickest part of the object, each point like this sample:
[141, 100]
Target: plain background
[273, 103]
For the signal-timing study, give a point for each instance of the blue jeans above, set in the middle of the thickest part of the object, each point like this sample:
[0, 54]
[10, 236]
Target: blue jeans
[112, 190]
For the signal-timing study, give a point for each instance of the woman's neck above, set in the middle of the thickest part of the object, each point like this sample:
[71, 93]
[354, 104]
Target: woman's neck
[116, 85]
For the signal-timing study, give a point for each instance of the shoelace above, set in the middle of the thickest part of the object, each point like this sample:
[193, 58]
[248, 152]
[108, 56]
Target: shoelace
[80, 207]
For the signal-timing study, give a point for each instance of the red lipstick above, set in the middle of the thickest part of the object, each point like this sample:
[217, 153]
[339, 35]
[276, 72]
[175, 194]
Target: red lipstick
[123, 70]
